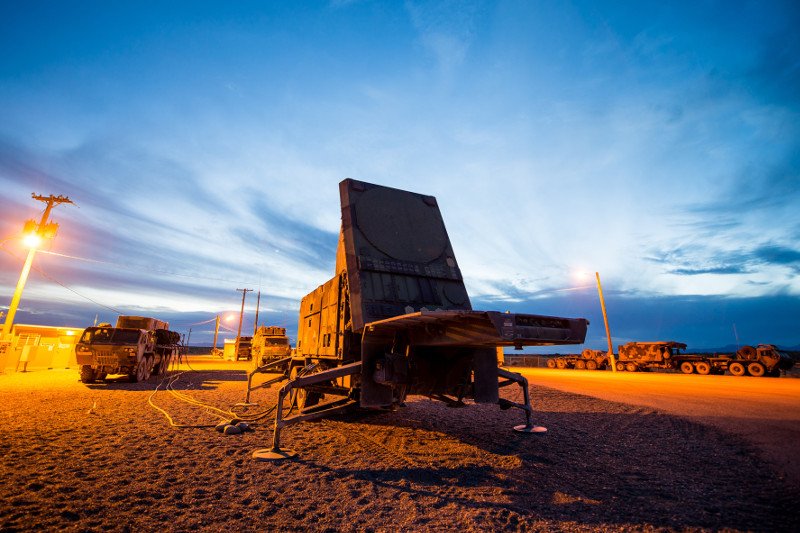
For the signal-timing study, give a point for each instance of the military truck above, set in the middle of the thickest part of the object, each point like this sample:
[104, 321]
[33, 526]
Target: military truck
[244, 349]
[270, 343]
[762, 360]
[587, 360]
[137, 346]
[396, 320]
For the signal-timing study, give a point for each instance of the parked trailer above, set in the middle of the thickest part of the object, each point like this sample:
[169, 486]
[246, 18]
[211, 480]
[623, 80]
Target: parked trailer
[586, 360]
[762, 360]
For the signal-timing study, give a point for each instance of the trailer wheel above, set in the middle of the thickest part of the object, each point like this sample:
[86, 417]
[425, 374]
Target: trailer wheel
[580, 364]
[620, 367]
[561, 364]
[551, 363]
[303, 398]
[591, 364]
[737, 369]
[702, 368]
[756, 369]
[87, 374]
[687, 367]
[631, 367]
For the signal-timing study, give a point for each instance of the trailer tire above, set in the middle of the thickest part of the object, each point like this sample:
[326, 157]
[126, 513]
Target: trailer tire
[620, 367]
[87, 374]
[756, 369]
[736, 368]
[631, 367]
[580, 364]
[302, 397]
[591, 364]
[561, 364]
[687, 367]
[551, 363]
[702, 368]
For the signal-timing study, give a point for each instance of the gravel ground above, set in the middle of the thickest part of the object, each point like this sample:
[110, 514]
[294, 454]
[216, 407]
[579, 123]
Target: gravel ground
[98, 457]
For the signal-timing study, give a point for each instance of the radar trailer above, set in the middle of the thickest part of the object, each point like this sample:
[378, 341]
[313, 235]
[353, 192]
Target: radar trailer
[396, 320]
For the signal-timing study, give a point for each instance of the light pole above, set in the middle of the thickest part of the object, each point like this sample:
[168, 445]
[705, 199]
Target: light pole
[35, 233]
[241, 316]
[216, 334]
[605, 319]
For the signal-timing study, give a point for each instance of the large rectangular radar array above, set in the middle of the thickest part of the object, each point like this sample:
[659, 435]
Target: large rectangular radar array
[396, 318]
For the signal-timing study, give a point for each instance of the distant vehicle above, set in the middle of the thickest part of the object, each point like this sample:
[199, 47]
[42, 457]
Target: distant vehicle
[270, 343]
[586, 360]
[137, 346]
[243, 349]
[761, 360]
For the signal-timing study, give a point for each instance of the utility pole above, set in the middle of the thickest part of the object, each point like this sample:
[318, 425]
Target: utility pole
[258, 304]
[35, 234]
[605, 319]
[241, 316]
[216, 333]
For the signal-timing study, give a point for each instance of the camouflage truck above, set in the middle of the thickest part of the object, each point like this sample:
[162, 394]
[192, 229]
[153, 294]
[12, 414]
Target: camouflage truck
[244, 349]
[137, 346]
[270, 343]
[762, 360]
[586, 360]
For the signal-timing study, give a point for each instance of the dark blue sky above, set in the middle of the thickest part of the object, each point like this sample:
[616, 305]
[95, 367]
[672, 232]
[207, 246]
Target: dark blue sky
[657, 143]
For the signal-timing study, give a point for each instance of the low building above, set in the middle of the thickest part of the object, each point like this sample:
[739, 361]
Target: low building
[39, 347]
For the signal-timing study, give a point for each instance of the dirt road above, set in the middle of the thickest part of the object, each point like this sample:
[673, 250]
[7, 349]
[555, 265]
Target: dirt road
[99, 457]
[764, 411]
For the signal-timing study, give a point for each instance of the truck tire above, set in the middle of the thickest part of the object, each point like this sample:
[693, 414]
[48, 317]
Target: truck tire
[148, 367]
[687, 367]
[551, 363]
[87, 374]
[591, 364]
[139, 372]
[580, 364]
[561, 364]
[631, 367]
[736, 368]
[756, 369]
[702, 368]
[620, 367]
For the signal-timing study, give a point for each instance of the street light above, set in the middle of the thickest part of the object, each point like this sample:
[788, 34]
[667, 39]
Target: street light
[34, 236]
[605, 320]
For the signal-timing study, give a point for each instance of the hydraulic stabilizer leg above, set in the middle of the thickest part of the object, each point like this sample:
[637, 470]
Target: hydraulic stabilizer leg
[276, 453]
[513, 377]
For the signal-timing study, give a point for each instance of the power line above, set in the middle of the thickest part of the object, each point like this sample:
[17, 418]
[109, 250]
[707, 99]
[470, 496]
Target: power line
[139, 269]
[49, 277]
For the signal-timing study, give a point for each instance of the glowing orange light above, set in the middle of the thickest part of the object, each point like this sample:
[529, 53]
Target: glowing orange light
[32, 240]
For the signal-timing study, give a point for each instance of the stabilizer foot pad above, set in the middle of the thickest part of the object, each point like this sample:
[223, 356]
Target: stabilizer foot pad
[524, 428]
[268, 454]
